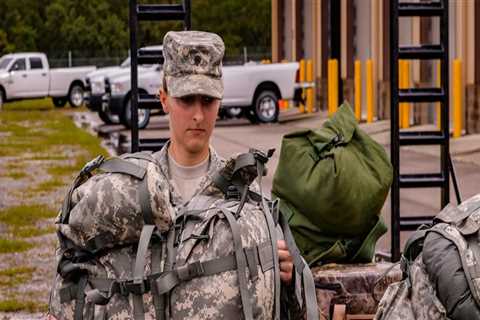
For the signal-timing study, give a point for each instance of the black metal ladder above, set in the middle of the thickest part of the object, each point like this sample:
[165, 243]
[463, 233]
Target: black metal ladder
[441, 94]
[149, 12]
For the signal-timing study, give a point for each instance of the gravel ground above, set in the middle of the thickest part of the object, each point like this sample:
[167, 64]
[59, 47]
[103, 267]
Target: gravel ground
[13, 192]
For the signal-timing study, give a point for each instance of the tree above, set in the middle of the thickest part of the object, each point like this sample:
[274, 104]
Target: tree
[99, 28]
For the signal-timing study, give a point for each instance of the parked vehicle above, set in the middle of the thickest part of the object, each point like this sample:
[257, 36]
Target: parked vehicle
[95, 88]
[27, 75]
[117, 97]
[256, 88]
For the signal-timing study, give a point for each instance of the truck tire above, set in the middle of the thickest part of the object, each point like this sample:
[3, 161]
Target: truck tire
[143, 115]
[265, 107]
[107, 117]
[59, 102]
[1, 99]
[75, 95]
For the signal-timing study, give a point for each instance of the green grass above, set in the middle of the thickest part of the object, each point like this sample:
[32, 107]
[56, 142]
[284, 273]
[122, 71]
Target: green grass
[29, 232]
[14, 305]
[25, 215]
[11, 245]
[16, 175]
[15, 276]
[28, 105]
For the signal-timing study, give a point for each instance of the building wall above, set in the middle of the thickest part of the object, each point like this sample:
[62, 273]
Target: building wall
[370, 40]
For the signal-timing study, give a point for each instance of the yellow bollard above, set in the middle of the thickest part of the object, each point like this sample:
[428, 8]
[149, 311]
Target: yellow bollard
[401, 106]
[369, 91]
[358, 90]
[309, 99]
[406, 85]
[332, 86]
[457, 98]
[438, 105]
[329, 87]
[302, 80]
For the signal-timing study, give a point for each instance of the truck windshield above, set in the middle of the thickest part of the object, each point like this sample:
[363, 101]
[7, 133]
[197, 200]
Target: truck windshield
[4, 62]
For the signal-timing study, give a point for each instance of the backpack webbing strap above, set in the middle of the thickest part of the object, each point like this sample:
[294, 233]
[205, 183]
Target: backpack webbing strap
[80, 298]
[168, 280]
[117, 165]
[145, 205]
[241, 265]
[158, 301]
[273, 238]
[302, 269]
[137, 297]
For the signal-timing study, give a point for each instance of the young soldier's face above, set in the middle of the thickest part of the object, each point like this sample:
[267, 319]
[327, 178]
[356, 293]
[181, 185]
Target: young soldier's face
[192, 119]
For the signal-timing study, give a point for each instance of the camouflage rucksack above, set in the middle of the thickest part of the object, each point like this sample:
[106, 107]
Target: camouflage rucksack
[441, 269]
[215, 259]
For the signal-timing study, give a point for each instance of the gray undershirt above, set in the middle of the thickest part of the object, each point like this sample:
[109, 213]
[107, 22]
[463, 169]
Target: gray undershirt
[186, 179]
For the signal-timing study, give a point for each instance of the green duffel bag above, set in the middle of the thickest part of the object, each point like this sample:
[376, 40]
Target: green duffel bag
[332, 184]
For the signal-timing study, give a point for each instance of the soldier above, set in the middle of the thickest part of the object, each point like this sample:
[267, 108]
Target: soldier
[191, 94]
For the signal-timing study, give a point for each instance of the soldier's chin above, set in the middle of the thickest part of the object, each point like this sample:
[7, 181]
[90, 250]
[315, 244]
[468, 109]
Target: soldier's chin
[196, 146]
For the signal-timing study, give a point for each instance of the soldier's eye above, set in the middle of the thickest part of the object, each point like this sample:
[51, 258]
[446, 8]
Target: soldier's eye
[207, 100]
[188, 99]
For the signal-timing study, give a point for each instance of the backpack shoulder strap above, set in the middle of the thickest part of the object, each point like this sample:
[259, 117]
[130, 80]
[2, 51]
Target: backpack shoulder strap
[301, 270]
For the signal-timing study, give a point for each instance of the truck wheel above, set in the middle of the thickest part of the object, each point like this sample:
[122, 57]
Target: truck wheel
[265, 108]
[143, 116]
[75, 96]
[59, 102]
[107, 117]
[1, 100]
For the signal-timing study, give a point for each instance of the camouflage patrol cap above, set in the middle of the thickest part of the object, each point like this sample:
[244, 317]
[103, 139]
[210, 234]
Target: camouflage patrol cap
[193, 63]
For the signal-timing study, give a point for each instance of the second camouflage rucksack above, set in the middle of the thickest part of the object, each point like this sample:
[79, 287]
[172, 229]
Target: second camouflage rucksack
[441, 265]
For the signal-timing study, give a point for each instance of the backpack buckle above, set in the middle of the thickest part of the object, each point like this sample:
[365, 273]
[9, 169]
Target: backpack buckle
[92, 165]
[137, 288]
[190, 271]
[233, 193]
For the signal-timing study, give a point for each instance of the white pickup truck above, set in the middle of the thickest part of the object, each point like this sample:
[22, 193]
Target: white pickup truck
[252, 89]
[27, 75]
[95, 80]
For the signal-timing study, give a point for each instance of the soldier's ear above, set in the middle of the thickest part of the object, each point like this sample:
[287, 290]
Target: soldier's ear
[163, 100]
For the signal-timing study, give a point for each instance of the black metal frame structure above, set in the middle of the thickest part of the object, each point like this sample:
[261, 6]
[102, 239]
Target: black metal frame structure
[398, 139]
[335, 39]
[149, 12]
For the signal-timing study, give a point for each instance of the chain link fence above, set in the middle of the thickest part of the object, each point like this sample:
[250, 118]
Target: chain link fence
[77, 58]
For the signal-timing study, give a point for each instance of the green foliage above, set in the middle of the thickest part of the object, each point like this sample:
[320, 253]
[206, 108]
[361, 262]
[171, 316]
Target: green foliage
[99, 28]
